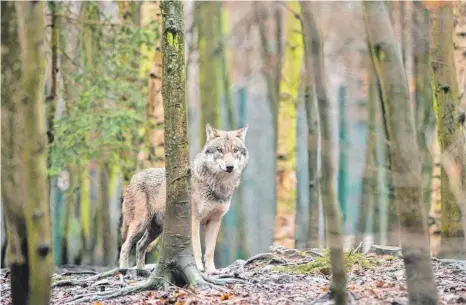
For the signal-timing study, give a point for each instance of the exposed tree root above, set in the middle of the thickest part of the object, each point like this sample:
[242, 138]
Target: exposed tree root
[329, 296]
[223, 281]
[110, 273]
[152, 283]
[67, 273]
[264, 256]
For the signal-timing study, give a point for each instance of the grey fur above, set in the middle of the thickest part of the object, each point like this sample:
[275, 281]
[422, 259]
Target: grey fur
[212, 188]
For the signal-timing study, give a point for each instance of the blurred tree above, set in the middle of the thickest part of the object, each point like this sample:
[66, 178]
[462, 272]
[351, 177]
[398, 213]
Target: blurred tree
[153, 137]
[271, 55]
[286, 137]
[231, 243]
[343, 151]
[424, 115]
[329, 197]
[369, 189]
[207, 21]
[58, 207]
[312, 116]
[406, 172]
[24, 147]
[446, 101]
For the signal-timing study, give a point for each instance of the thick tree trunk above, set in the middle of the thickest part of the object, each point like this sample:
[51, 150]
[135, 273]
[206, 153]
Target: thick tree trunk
[425, 117]
[406, 172]
[329, 197]
[24, 146]
[446, 101]
[312, 116]
[286, 141]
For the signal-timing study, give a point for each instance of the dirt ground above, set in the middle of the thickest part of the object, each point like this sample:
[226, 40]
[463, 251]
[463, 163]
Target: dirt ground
[281, 276]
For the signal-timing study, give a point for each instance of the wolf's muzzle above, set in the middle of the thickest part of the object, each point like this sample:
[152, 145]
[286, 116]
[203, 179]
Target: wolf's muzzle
[230, 168]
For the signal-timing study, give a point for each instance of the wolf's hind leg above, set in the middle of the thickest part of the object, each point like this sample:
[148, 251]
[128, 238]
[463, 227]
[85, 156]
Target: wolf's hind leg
[141, 248]
[126, 248]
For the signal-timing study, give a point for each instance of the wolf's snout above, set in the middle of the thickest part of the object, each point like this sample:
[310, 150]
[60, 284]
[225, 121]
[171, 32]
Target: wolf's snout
[230, 168]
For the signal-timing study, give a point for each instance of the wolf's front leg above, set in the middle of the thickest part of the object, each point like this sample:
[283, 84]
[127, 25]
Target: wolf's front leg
[211, 232]
[195, 227]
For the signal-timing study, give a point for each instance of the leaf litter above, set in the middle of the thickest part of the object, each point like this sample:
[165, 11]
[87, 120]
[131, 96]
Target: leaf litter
[280, 277]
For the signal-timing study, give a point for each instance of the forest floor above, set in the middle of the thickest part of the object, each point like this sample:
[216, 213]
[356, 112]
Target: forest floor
[281, 276]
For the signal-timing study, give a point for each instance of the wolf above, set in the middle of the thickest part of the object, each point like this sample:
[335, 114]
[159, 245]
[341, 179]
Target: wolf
[216, 173]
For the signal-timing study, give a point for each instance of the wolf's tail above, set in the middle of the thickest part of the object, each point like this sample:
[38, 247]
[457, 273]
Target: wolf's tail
[123, 225]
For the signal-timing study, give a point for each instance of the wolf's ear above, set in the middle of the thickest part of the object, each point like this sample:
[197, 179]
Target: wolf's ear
[241, 133]
[211, 133]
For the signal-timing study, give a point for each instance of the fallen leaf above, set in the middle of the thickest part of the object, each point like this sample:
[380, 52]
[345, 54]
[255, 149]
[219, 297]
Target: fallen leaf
[379, 284]
[324, 289]
[225, 296]
[97, 303]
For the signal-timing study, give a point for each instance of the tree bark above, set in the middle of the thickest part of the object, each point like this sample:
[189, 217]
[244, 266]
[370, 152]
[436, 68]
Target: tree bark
[342, 149]
[24, 147]
[312, 116]
[406, 172]
[329, 198]
[209, 63]
[286, 141]
[425, 117]
[369, 194]
[446, 102]
[154, 140]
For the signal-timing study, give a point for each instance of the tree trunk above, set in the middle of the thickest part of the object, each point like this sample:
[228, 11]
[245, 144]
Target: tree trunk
[425, 117]
[342, 150]
[209, 78]
[369, 194]
[24, 146]
[312, 116]
[330, 205]
[271, 69]
[406, 172]
[286, 141]
[154, 140]
[446, 101]
[176, 262]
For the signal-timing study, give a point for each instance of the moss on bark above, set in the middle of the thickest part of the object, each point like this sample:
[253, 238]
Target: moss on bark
[446, 102]
[329, 197]
[405, 165]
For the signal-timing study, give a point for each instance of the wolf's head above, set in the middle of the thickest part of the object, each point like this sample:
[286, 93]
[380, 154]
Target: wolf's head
[225, 151]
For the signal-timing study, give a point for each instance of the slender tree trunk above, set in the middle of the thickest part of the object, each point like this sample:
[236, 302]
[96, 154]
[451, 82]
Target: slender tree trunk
[446, 101]
[154, 140]
[312, 115]
[369, 194]
[208, 38]
[405, 167]
[329, 197]
[24, 147]
[425, 117]
[343, 147]
[286, 141]
[176, 259]
[272, 67]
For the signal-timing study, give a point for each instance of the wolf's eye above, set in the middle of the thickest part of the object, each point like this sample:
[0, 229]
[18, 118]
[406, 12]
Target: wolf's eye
[220, 150]
[235, 150]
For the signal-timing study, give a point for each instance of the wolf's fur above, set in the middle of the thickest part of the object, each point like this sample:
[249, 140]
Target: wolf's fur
[216, 173]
